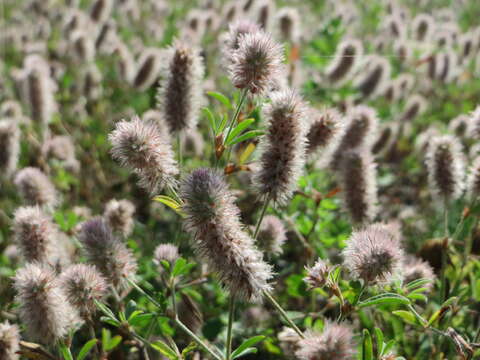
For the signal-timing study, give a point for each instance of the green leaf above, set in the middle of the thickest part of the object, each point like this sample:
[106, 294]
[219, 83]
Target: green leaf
[246, 153]
[130, 309]
[211, 119]
[191, 347]
[179, 266]
[420, 297]
[241, 126]
[134, 315]
[86, 348]
[379, 339]
[67, 355]
[103, 308]
[247, 344]
[367, 348]
[388, 347]
[220, 97]
[170, 202]
[417, 283]
[139, 319]
[248, 135]
[407, 316]
[246, 352]
[384, 299]
[164, 349]
[113, 343]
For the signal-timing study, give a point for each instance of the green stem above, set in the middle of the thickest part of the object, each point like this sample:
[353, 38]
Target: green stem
[197, 339]
[231, 311]
[417, 315]
[174, 300]
[235, 116]
[152, 300]
[469, 242]
[262, 215]
[283, 313]
[443, 278]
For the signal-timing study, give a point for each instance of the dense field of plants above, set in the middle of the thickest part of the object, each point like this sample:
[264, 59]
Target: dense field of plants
[254, 179]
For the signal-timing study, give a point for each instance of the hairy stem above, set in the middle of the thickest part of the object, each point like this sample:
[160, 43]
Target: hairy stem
[283, 313]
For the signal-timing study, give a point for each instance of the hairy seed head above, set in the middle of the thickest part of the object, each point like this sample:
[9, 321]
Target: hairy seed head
[35, 187]
[9, 146]
[9, 341]
[317, 275]
[213, 219]
[119, 215]
[271, 235]
[415, 268]
[326, 130]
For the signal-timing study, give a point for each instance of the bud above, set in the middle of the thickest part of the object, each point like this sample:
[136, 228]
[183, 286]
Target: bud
[373, 255]
[144, 149]
[167, 252]
[35, 187]
[44, 308]
[283, 147]
[213, 219]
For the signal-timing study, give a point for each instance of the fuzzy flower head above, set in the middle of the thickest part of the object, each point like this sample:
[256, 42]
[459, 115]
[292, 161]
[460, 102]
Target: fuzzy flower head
[459, 125]
[283, 147]
[347, 56]
[326, 130]
[474, 122]
[375, 77]
[148, 67]
[62, 148]
[423, 27]
[167, 252]
[44, 308]
[288, 20]
[40, 95]
[473, 180]
[141, 147]
[256, 63]
[83, 285]
[9, 146]
[373, 254]
[335, 342]
[357, 177]
[446, 167]
[119, 215]
[213, 220]
[415, 106]
[111, 257]
[35, 187]
[415, 268]
[232, 39]
[35, 235]
[9, 341]
[179, 94]
[317, 275]
[271, 235]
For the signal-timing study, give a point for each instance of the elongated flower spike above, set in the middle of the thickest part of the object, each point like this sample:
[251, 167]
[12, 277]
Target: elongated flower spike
[40, 95]
[272, 235]
[283, 147]
[179, 95]
[473, 180]
[35, 187]
[9, 341]
[256, 63]
[83, 284]
[415, 106]
[111, 257]
[357, 177]
[373, 254]
[101, 10]
[474, 124]
[288, 20]
[334, 342]
[9, 146]
[148, 67]
[423, 27]
[347, 56]
[264, 10]
[459, 125]
[142, 147]
[373, 81]
[44, 308]
[326, 130]
[213, 220]
[446, 167]
[395, 27]
[385, 138]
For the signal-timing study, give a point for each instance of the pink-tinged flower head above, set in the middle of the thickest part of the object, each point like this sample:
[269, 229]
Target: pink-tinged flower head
[357, 178]
[213, 219]
[9, 146]
[415, 268]
[283, 147]
[44, 308]
[231, 40]
[180, 90]
[35, 235]
[35, 187]
[9, 341]
[167, 252]
[317, 275]
[141, 147]
[373, 254]
[119, 215]
[111, 257]
[82, 285]
[256, 63]
[271, 235]
[334, 342]
[446, 167]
